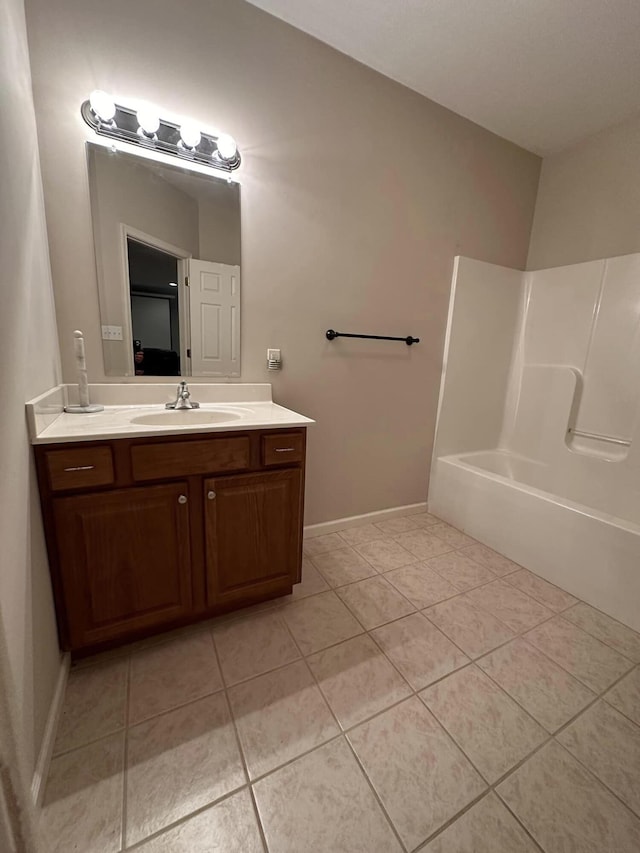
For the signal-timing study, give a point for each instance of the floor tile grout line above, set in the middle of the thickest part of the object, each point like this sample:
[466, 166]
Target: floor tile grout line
[344, 604]
[184, 819]
[594, 636]
[352, 611]
[604, 784]
[245, 769]
[592, 606]
[587, 634]
[154, 640]
[100, 659]
[393, 664]
[240, 748]
[228, 685]
[418, 607]
[331, 585]
[376, 796]
[90, 742]
[473, 663]
[316, 680]
[615, 684]
[476, 801]
[520, 822]
[539, 577]
[258, 819]
[225, 796]
[125, 757]
[339, 734]
[179, 706]
[529, 714]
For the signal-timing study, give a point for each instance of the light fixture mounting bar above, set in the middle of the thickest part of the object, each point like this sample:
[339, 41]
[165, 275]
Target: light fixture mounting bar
[124, 126]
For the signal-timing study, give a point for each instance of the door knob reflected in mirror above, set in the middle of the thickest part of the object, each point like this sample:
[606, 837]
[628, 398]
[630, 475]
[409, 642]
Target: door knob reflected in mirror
[182, 499]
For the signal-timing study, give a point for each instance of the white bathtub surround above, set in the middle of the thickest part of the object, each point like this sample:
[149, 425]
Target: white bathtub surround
[537, 449]
[247, 407]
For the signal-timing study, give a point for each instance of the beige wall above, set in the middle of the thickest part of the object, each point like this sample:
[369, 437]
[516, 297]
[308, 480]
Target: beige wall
[29, 365]
[356, 196]
[219, 220]
[589, 200]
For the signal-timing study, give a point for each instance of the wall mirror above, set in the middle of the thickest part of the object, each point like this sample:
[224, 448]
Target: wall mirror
[167, 244]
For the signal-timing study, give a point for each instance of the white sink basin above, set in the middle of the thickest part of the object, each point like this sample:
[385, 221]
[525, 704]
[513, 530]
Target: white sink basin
[186, 417]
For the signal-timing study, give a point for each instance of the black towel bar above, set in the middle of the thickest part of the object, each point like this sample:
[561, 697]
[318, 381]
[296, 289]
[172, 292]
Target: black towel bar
[331, 335]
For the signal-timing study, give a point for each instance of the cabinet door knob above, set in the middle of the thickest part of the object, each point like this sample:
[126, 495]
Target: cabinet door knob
[182, 499]
[211, 495]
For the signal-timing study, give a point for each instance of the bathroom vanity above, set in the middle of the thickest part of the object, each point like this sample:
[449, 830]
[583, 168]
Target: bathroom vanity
[163, 524]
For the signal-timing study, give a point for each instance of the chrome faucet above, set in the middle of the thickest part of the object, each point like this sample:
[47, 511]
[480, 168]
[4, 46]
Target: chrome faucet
[183, 399]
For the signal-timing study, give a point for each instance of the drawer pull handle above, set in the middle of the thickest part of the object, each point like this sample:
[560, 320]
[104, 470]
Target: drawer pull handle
[284, 449]
[81, 468]
[182, 499]
[211, 495]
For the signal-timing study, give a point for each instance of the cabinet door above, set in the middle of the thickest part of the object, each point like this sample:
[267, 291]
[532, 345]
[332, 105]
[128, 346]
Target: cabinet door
[253, 535]
[124, 560]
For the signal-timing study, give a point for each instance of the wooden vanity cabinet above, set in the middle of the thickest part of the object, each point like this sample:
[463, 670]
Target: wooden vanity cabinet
[151, 533]
[125, 560]
[252, 534]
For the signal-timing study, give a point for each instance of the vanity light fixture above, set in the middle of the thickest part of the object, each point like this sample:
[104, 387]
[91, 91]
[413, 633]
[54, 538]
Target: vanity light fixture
[191, 136]
[102, 105]
[227, 148]
[144, 127]
[148, 120]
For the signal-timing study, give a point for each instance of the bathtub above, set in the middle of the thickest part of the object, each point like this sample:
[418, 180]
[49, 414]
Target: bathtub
[499, 498]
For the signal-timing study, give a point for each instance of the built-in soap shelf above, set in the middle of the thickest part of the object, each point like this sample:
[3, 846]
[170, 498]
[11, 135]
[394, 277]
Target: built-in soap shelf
[606, 447]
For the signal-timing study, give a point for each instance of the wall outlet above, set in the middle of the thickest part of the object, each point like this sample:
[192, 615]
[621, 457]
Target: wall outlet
[274, 359]
[112, 333]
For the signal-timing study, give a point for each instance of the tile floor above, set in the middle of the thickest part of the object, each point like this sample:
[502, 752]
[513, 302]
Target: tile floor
[417, 691]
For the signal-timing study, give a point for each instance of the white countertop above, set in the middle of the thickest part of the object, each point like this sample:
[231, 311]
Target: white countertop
[49, 424]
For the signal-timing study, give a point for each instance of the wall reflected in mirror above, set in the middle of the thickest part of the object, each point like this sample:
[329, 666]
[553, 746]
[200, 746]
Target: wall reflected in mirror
[167, 245]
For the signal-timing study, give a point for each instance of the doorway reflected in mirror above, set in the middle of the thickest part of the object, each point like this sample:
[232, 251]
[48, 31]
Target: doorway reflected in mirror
[155, 310]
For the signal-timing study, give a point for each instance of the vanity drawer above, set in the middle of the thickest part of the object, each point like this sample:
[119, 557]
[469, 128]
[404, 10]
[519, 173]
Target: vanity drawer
[282, 448]
[187, 458]
[79, 468]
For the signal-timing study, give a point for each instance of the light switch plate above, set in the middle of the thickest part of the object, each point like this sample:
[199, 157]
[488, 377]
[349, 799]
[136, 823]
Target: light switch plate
[112, 333]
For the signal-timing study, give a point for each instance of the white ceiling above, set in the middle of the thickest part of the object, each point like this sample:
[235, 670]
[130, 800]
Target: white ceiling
[542, 73]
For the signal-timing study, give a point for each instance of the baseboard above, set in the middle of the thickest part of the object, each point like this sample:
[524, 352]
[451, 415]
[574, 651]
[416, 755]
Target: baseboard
[41, 772]
[312, 530]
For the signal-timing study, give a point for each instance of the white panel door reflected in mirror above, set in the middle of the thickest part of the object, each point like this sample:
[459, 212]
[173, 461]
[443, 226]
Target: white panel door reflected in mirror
[167, 244]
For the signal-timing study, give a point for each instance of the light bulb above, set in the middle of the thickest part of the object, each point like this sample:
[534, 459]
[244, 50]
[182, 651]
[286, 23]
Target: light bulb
[103, 105]
[190, 135]
[227, 147]
[173, 284]
[148, 119]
